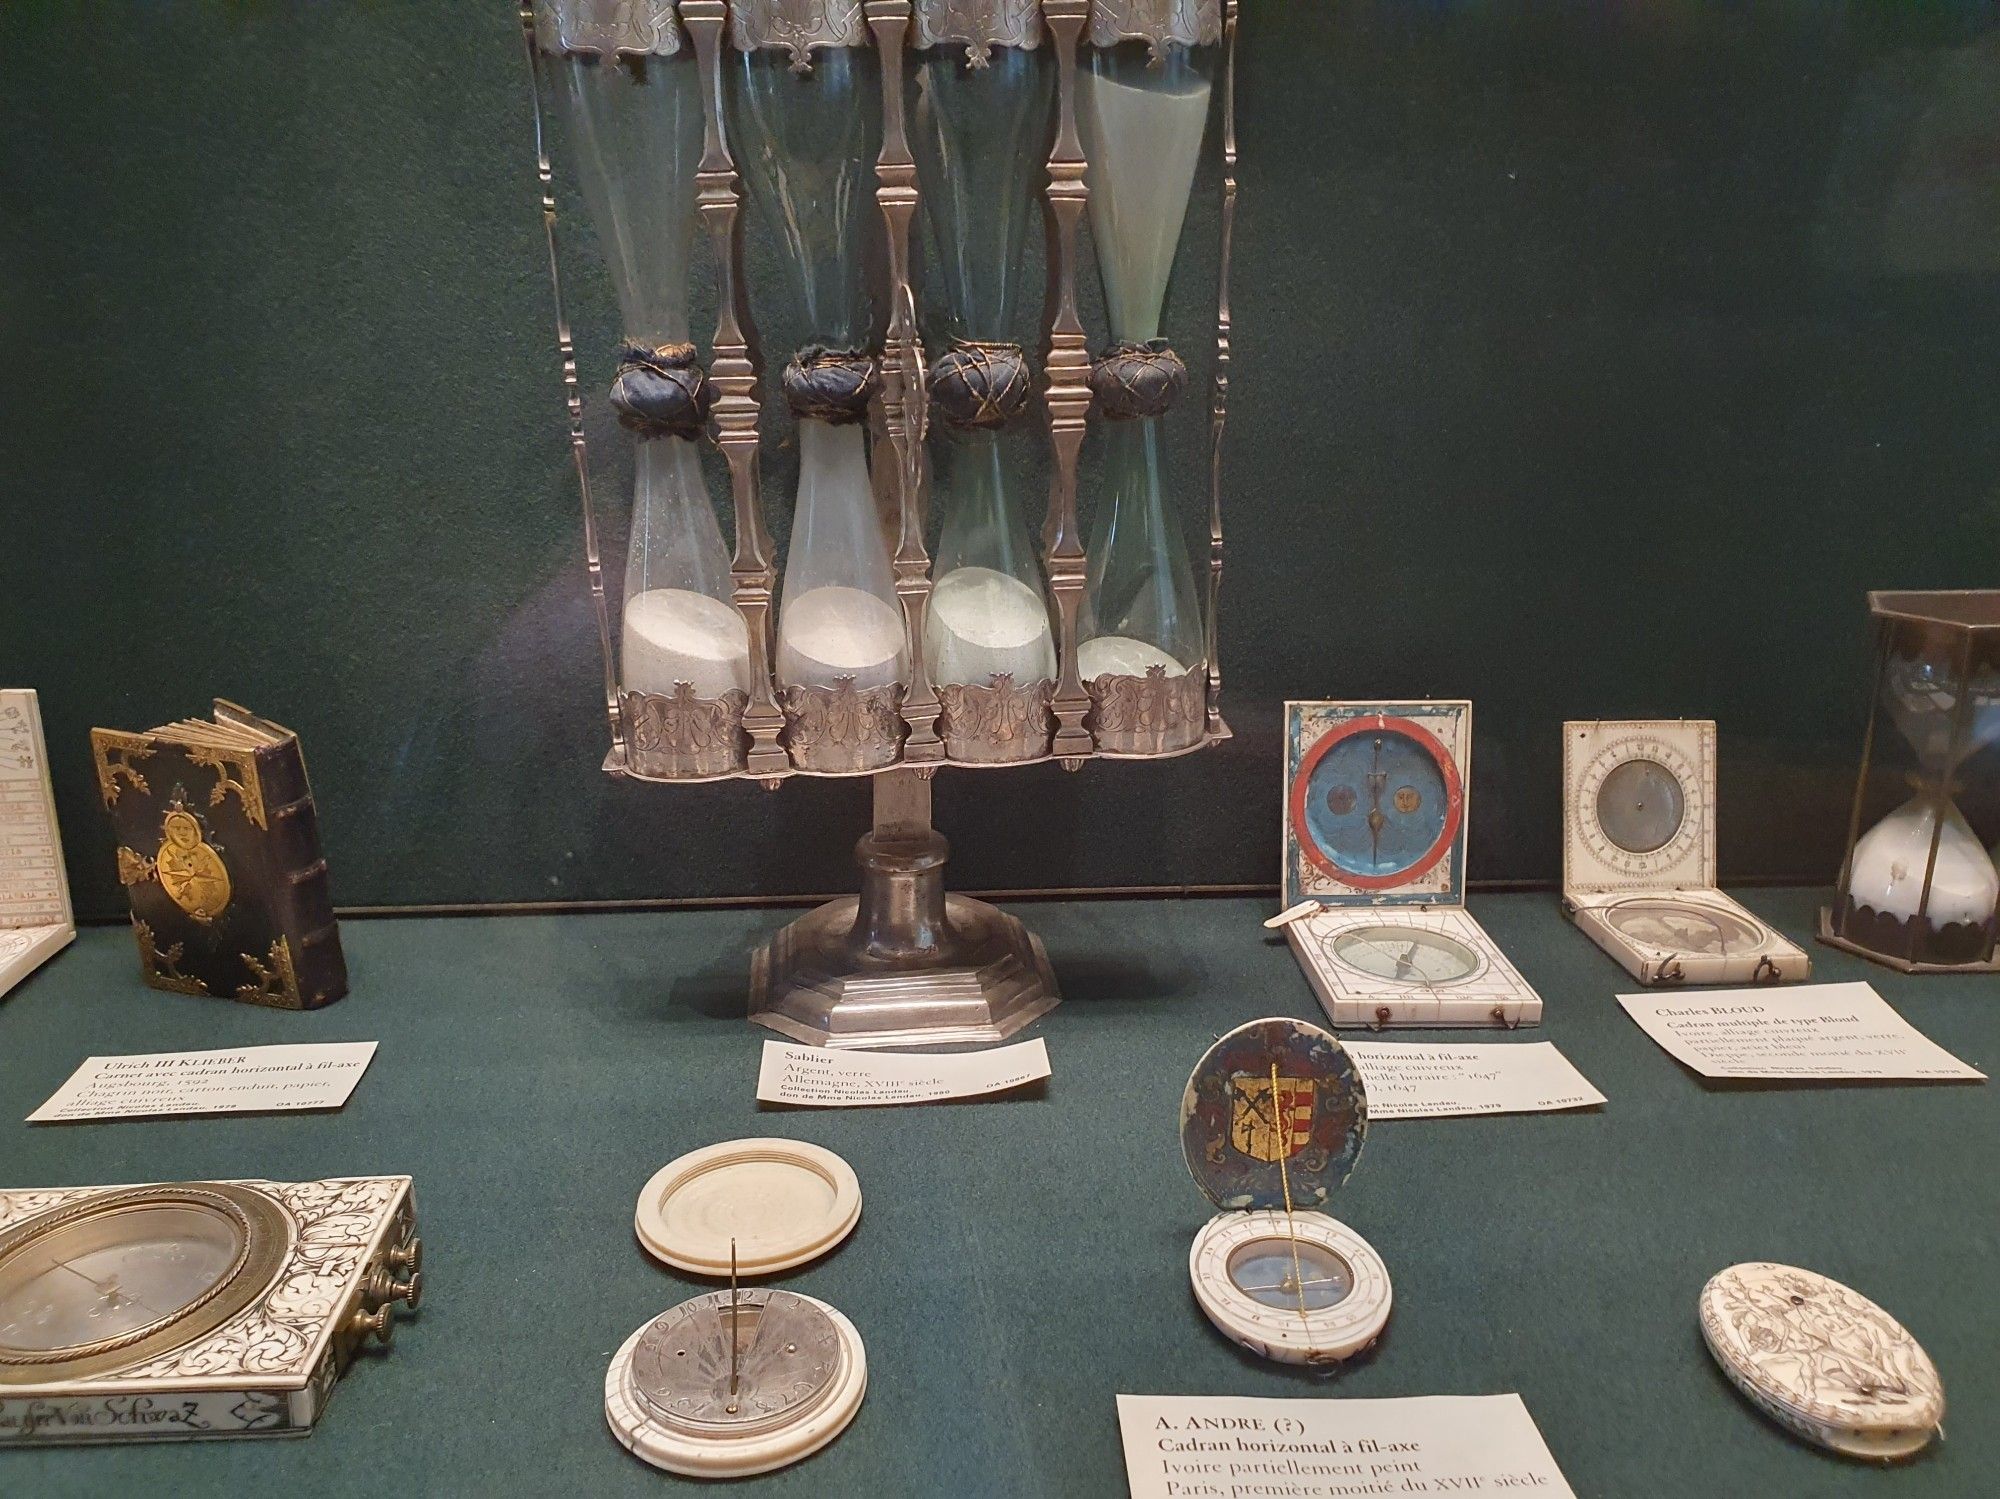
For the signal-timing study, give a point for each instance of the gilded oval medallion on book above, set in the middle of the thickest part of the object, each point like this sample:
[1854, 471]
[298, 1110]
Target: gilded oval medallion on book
[191, 872]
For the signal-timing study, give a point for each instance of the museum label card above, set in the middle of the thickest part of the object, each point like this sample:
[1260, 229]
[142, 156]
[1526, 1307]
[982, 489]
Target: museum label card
[1421, 1082]
[1218, 1447]
[814, 1077]
[240, 1080]
[1831, 1031]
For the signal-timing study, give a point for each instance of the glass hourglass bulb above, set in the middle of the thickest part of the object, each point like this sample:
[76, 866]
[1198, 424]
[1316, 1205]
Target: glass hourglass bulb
[804, 142]
[987, 614]
[1142, 126]
[979, 133]
[1891, 857]
[839, 616]
[1923, 697]
[637, 126]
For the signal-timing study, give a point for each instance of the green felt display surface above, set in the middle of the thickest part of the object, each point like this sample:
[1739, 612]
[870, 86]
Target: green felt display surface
[1020, 1262]
[1591, 360]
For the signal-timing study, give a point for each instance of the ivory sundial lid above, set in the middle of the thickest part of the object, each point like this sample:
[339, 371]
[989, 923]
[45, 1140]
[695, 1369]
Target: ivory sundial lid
[1822, 1360]
[781, 1203]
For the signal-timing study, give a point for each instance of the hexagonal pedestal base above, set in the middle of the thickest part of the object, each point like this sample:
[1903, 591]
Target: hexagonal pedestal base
[903, 963]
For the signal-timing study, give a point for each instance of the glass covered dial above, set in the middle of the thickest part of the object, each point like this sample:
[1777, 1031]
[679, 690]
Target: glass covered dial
[93, 1281]
[1640, 804]
[1683, 927]
[1406, 955]
[1287, 1273]
[120, 1275]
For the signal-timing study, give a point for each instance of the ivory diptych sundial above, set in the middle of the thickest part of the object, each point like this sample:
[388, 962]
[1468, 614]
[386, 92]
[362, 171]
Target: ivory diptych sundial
[1374, 836]
[1639, 857]
[1272, 1123]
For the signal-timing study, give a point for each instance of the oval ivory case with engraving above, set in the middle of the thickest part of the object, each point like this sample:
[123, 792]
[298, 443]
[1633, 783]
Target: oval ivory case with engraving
[783, 1202]
[730, 1384]
[1823, 1361]
[1300, 1288]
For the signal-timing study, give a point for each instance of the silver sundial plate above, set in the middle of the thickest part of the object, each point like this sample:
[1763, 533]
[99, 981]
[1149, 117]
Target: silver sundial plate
[1638, 804]
[787, 1357]
[1668, 925]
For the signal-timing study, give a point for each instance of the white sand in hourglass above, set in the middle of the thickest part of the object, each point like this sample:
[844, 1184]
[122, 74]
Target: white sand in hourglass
[1122, 656]
[982, 621]
[834, 631]
[1890, 860]
[677, 635]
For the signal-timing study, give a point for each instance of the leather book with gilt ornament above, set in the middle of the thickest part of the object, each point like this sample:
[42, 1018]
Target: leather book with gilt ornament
[219, 851]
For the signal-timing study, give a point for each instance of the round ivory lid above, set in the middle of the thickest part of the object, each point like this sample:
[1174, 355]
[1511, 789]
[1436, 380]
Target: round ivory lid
[782, 1203]
[1823, 1361]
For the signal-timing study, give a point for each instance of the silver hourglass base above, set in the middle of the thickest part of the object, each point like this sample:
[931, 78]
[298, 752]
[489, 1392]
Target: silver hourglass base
[903, 963]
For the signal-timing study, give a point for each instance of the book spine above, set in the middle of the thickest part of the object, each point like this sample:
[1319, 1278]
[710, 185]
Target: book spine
[303, 899]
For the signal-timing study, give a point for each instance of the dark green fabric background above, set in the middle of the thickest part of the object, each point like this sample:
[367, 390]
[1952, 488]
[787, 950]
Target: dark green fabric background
[1592, 360]
[1020, 1262]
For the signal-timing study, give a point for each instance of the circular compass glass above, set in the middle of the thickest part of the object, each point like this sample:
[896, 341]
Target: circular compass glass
[1406, 955]
[1640, 804]
[1377, 802]
[1679, 926]
[1329, 1304]
[1288, 1272]
[124, 1275]
[85, 1283]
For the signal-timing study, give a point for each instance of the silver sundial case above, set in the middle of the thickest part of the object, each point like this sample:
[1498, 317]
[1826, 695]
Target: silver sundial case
[177, 1310]
[1639, 857]
[1375, 817]
[736, 1382]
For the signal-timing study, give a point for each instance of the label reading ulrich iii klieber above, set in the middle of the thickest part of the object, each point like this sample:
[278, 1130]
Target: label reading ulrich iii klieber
[111, 1418]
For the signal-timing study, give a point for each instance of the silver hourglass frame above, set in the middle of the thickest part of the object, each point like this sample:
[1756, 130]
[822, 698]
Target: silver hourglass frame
[904, 962]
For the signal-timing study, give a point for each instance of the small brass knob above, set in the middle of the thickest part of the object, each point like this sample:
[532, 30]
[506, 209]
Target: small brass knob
[409, 1256]
[379, 1322]
[383, 1288]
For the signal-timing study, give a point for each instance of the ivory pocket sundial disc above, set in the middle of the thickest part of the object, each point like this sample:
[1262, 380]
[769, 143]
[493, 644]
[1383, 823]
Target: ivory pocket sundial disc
[736, 1382]
[1271, 1123]
[1301, 1288]
[781, 1203]
[1823, 1361]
